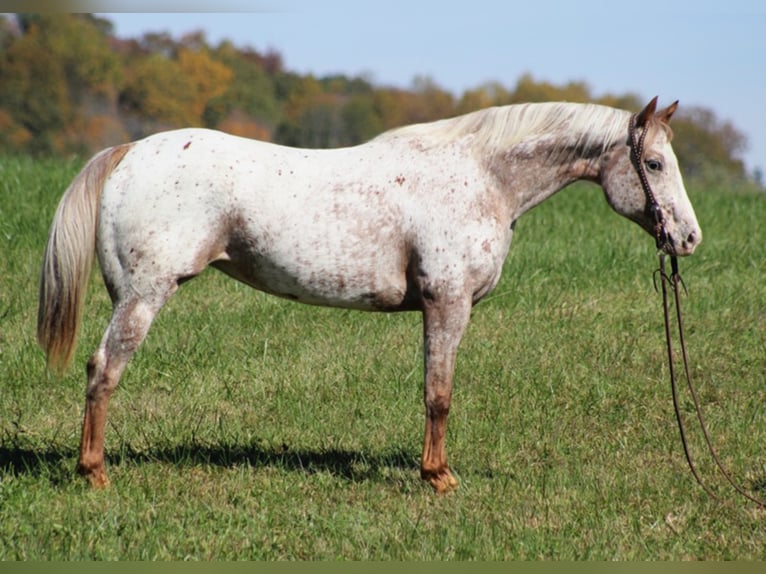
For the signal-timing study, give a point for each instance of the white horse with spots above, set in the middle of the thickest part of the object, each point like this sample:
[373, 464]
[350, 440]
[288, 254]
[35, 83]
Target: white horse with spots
[420, 218]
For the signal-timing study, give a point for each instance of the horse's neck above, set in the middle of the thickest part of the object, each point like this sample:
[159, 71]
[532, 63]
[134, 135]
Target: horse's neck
[534, 170]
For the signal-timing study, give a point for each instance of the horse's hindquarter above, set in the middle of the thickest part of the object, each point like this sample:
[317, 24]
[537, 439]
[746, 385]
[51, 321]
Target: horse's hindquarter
[331, 227]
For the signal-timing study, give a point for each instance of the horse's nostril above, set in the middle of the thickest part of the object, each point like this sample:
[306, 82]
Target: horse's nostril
[691, 239]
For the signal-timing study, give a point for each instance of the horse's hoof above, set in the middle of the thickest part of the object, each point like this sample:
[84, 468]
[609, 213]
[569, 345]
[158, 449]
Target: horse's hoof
[443, 482]
[96, 477]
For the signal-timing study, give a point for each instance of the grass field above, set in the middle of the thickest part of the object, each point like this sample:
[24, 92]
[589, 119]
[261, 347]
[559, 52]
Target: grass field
[249, 427]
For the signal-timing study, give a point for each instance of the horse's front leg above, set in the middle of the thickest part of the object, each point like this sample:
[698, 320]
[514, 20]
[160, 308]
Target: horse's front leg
[444, 322]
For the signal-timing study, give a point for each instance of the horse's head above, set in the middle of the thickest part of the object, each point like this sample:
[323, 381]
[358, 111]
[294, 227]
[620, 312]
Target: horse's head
[621, 181]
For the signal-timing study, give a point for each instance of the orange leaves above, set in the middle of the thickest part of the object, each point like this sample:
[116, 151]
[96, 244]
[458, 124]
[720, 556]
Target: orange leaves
[207, 78]
[175, 91]
[240, 124]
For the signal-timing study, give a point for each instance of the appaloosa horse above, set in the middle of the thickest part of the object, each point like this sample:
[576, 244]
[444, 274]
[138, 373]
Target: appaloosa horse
[419, 218]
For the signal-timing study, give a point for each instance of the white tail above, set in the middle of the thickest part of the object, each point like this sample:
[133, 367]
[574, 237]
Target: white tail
[68, 260]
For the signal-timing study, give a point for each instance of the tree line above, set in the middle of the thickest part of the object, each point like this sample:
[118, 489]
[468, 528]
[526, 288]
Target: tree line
[68, 85]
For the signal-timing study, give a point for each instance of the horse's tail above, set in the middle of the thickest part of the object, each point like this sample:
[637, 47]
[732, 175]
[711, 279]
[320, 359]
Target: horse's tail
[68, 259]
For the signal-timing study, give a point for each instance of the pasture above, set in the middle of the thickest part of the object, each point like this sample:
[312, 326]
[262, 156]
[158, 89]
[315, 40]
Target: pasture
[249, 427]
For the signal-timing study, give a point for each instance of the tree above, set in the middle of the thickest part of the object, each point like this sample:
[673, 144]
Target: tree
[34, 94]
[157, 89]
[529, 90]
[487, 95]
[361, 121]
[251, 92]
[54, 74]
[208, 78]
[425, 102]
[707, 147]
[173, 92]
[432, 102]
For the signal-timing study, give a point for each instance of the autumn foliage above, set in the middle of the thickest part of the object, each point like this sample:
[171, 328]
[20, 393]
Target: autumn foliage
[68, 85]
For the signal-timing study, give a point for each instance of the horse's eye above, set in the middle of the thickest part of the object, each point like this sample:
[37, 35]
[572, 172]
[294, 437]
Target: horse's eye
[653, 165]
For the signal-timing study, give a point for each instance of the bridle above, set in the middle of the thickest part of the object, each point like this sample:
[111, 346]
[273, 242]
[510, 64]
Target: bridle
[652, 206]
[665, 244]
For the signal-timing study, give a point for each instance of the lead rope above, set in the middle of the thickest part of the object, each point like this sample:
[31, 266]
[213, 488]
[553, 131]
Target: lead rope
[664, 279]
[663, 241]
[675, 280]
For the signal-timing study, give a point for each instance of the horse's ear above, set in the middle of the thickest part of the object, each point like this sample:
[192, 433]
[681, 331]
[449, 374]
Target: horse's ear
[664, 115]
[645, 115]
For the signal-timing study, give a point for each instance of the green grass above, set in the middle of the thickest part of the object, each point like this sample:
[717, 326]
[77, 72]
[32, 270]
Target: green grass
[253, 428]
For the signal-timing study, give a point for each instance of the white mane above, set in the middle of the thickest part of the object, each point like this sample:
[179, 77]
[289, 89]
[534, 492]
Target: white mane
[493, 130]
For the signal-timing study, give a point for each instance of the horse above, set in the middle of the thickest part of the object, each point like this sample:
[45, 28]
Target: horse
[419, 218]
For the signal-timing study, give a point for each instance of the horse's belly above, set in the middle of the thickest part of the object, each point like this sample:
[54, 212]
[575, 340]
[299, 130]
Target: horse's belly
[374, 285]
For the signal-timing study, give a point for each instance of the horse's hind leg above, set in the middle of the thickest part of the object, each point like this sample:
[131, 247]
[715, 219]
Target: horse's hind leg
[128, 327]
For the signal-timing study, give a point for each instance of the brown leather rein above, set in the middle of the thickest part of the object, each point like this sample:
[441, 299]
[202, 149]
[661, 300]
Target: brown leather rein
[665, 244]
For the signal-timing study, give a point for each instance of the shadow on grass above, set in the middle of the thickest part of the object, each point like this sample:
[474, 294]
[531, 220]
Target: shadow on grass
[58, 464]
[52, 463]
[352, 465]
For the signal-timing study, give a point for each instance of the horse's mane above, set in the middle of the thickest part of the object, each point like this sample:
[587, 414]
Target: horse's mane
[589, 128]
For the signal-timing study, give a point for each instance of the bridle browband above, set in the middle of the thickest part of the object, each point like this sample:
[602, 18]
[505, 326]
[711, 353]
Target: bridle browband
[665, 244]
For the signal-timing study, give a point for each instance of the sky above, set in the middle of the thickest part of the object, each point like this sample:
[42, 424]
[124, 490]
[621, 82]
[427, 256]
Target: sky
[701, 52]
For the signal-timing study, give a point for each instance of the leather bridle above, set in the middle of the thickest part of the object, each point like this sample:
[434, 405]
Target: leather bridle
[665, 245]
[652, 206]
